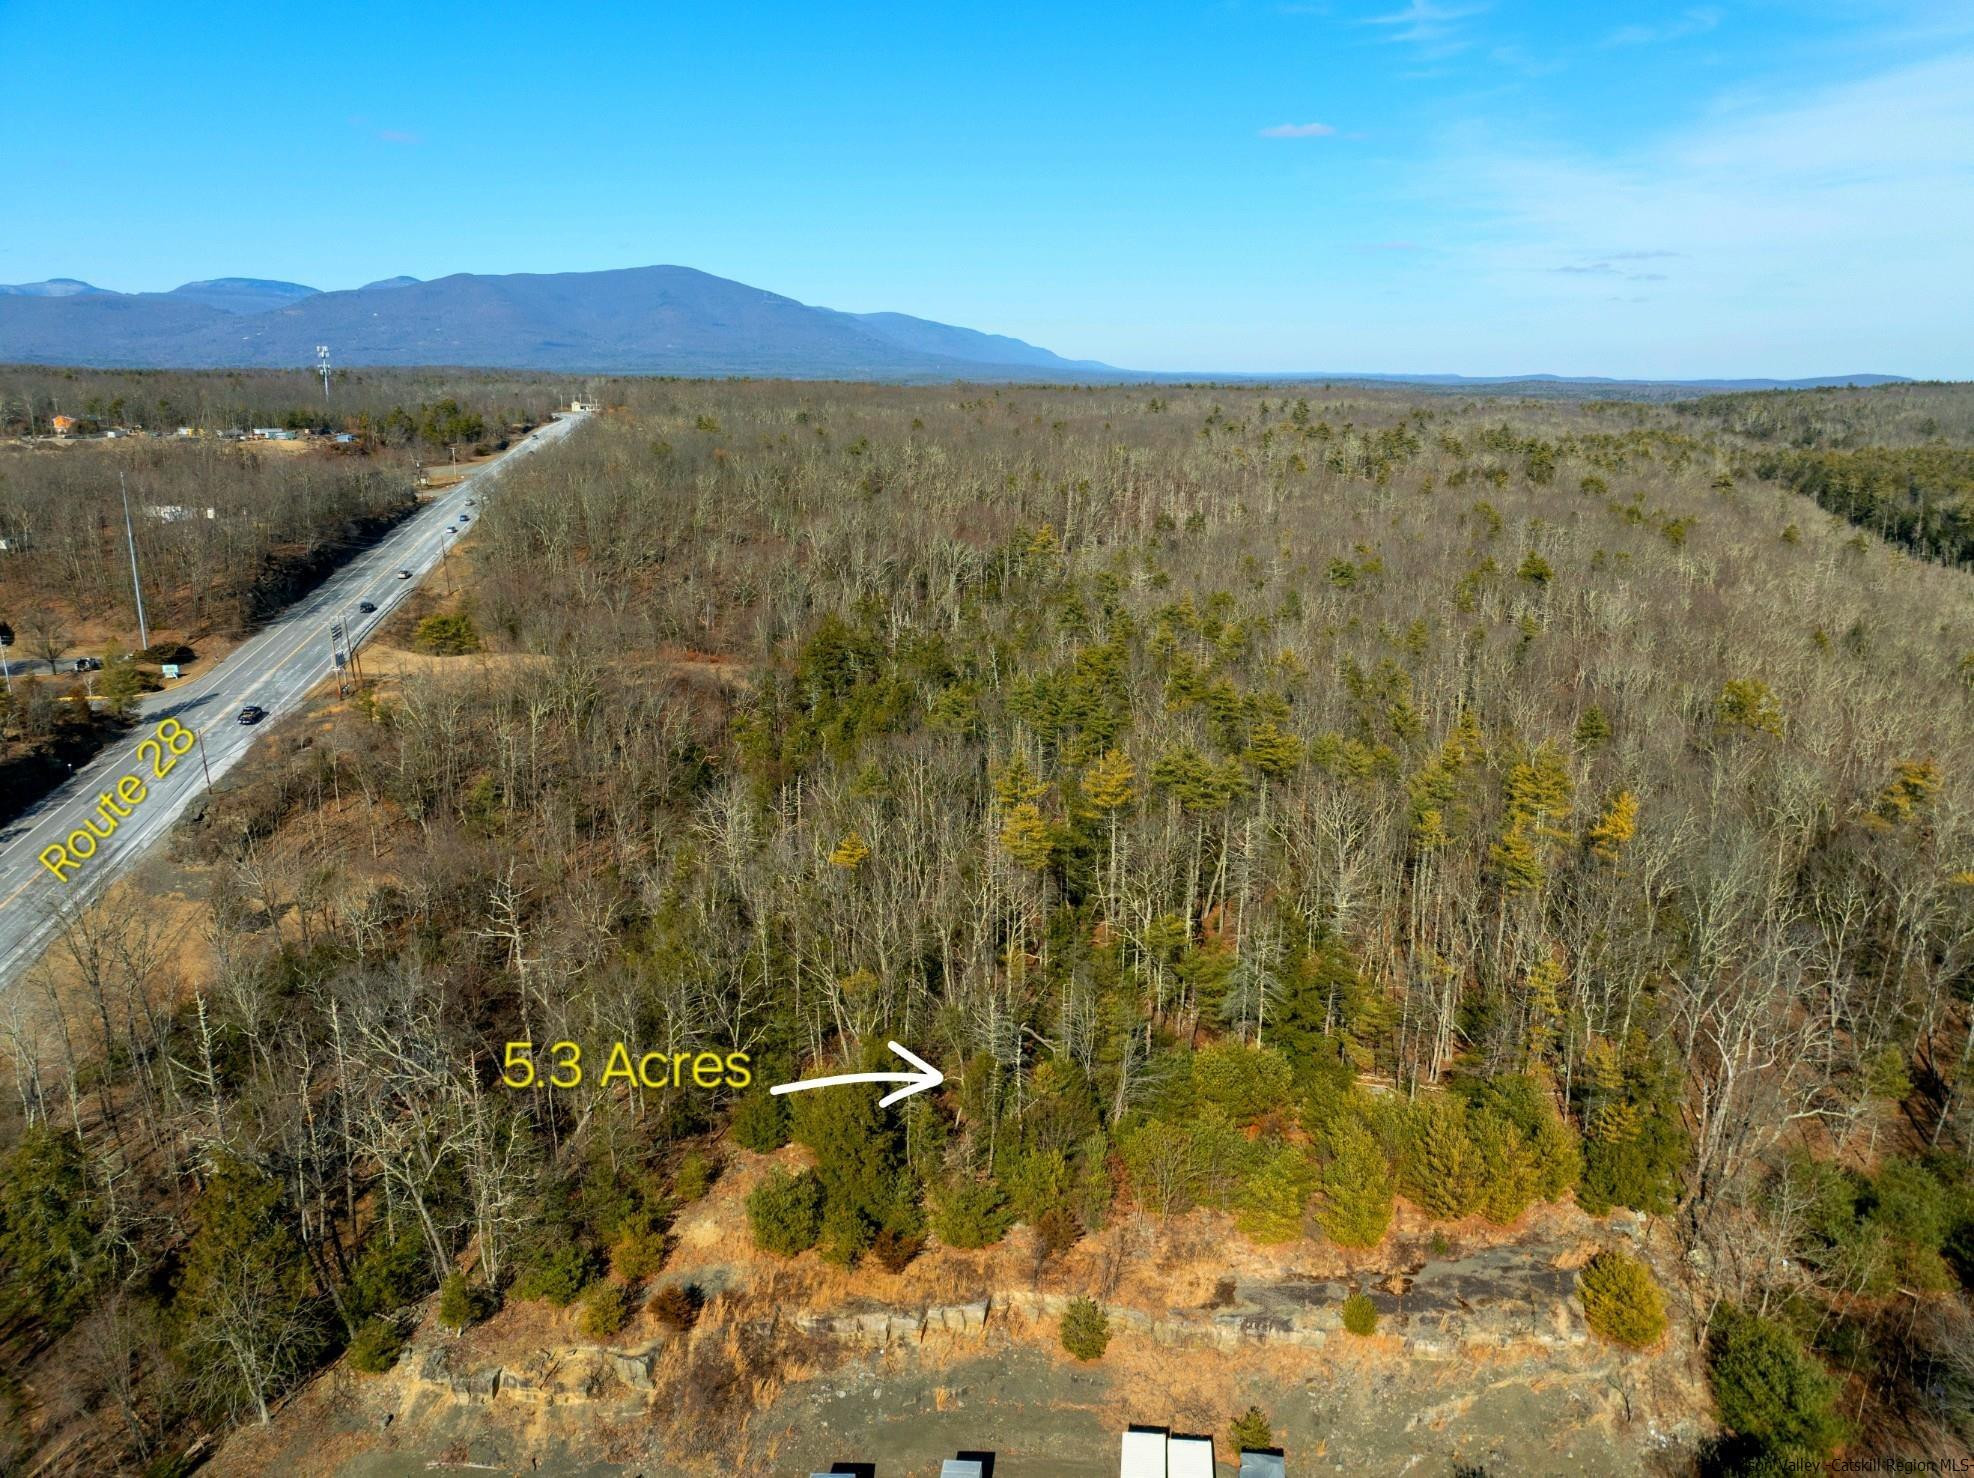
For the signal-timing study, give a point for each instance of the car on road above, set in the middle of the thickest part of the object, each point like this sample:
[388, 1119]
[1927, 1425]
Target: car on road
[253, 713]
[464, 516]
[89, 664]
[366, 606]
[404, 574]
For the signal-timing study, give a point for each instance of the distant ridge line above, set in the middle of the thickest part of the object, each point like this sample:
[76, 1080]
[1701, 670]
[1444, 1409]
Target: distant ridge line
[667, 320]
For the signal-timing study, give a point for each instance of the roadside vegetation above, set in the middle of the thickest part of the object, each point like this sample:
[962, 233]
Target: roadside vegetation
[227, 532]
[1289, 804]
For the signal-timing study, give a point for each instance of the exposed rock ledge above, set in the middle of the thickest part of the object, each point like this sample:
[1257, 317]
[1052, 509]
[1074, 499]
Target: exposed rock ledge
[1495, 1299]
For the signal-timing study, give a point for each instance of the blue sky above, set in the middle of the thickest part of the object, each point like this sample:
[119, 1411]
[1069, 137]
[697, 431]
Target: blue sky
[1350, 185]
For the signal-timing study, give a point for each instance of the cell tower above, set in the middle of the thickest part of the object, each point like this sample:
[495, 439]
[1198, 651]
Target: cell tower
[322, 363]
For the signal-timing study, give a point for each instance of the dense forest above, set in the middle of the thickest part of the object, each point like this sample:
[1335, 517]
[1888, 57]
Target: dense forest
[161, 401]
[1895, 460]
[1274, 802]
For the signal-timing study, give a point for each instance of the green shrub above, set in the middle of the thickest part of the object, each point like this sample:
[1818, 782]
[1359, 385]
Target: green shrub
[457, 1306]
[1242, 1082]
[1768, 1389]
[1748, 705]
[759, 1123]
[168, 651]
[695, 1177]
[376, 1347]
[1360, 1315]
[1250, 1430]
[558, 1274]
[1085, 1330]
[785, 1212]
[1037, 1181]
[1620, 1300]
[120, 684]
[971, 1213]
[1913, 1210]
[391, 1272]
[638, 1252]
[605, 1307]
[447, 635]
[846, 1233]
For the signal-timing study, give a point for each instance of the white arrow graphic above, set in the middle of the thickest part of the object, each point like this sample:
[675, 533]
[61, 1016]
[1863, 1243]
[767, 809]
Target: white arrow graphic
[926, 1077]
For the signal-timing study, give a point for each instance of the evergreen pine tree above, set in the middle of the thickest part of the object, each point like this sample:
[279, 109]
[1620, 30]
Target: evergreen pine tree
[1508, 1177]
[1617, 825]
[1108, 785]
[1442, 1170]
[1272, 1199]
[245, 1292]
[1027, 837]
[1356, 1186]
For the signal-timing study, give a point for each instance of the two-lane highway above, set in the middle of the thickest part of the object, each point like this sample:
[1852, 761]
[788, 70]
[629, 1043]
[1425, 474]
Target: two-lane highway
[275, 670]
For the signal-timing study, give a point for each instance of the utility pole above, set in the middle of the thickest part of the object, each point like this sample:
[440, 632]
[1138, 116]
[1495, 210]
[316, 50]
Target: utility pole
[339, 642]
[322, 362]
[136, 586]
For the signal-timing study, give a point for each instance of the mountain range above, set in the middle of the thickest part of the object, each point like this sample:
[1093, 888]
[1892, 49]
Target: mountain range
[636, 320]
[649, 320]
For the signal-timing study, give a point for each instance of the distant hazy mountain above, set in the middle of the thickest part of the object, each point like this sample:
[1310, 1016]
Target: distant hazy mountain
[640, 320]
[1585, 382]
[661, 320]
[923, 336]
[54, 287]
[240, 294]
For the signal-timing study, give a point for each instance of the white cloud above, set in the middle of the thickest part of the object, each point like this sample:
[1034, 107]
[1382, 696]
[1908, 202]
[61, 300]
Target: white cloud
[1428, 25]
[1695, 22]
[1840, 216]
[1298, 131]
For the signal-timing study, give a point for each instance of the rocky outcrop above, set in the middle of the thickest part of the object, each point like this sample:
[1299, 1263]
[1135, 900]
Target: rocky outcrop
[581, 1372]
[1497, 1298]
[879, 1327]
